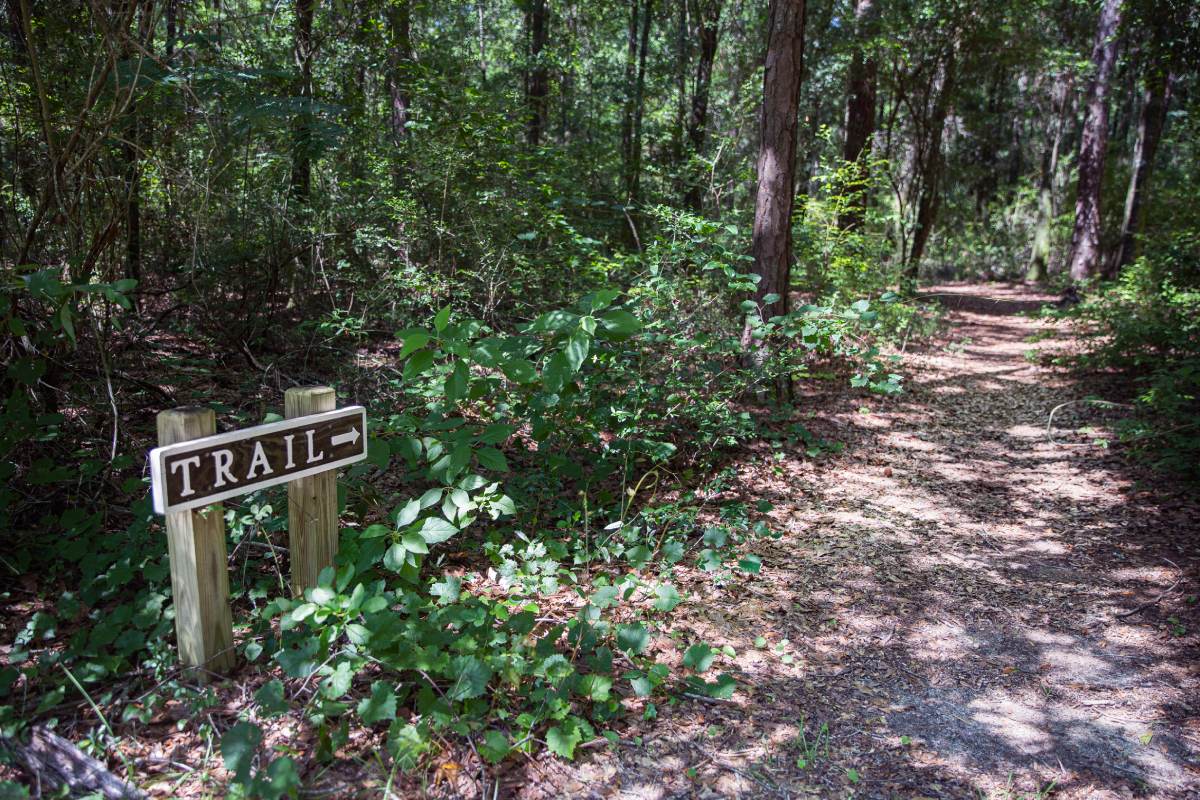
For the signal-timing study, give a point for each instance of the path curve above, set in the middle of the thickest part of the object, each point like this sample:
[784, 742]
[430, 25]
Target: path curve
[959, 607]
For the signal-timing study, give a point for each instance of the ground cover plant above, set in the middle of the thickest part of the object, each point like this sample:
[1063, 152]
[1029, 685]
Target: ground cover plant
[673, 324]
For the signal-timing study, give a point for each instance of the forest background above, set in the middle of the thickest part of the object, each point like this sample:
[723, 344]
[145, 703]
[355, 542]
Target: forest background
[570, 255]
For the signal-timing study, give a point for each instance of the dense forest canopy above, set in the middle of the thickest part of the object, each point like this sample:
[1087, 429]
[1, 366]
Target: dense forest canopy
[569, 255]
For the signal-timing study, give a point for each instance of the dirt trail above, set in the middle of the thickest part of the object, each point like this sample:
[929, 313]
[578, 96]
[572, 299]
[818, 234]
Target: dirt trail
[959, 606]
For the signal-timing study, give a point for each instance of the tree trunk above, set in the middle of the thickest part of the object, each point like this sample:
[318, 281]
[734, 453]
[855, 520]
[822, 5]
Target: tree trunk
[771, 245]
[302, 133]
[1039, 256]
[1085, 238]
[860, 112]
[399, 63]
[631, 42]
[681, 97]
[1156, 97]
[930, 165]
[537, 84]
[708, 16]
[635, 153]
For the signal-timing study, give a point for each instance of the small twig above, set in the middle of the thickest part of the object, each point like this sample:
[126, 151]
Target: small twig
[1156, 600]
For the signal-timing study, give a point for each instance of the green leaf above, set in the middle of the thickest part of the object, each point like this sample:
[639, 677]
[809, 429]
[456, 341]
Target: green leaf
[577, 349]
[751, 564]
[494, 748]
[406, 515]
[556, 373]
[595, 687]
[496, 433]
[519, 370]
[491, 458]
[414, 340]
[471, 678]
[282, 780]
[723, 687]
[380, 706]
[698, 657]
[666, 597]
[415, 543]
[418, 363]
[562, 739]
[270, 699]
[238, 746]
[447, 590]
[620, 324]
[407, 743]
[633, 638]
[442, 319]
[338, 682]
[435, 530]
[457, 382]
[604, 597]
[394, 557]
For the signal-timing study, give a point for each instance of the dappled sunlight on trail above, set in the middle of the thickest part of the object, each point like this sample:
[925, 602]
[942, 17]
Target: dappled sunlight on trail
[959, 607]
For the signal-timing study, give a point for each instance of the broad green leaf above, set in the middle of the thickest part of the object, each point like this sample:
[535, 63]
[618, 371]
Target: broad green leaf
[270, 699]
[238, 746]
[633, 638]
[620, 324]
[577, 348]
[435, 530]
[380, 706]
[698, 657]
[442, 319]
[470, 678]
[491, 458]
[666, 597]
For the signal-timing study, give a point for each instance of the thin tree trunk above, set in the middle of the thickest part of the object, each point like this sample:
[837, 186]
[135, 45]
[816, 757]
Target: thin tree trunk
[631, 43]
[930, 165]
[536, 87]
[302, 134]
[708, 17]
[399, 62]
[771, 245]
[1039, 256]
[860, 112]
[681, 97]
[1151, 120]
[1085, 239]
[635, 153]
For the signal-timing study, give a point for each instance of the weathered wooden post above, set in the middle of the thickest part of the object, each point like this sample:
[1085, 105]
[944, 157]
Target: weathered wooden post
[199, 574]
[312, 501]
[193, 469]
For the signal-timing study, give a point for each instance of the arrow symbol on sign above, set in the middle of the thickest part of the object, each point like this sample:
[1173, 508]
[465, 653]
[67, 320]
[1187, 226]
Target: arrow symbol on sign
[343, 438]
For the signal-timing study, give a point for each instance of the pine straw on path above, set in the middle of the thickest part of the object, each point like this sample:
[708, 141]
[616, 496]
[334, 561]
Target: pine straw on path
[959, 607]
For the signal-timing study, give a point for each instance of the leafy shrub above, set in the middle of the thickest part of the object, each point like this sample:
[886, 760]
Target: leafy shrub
[1147, 324]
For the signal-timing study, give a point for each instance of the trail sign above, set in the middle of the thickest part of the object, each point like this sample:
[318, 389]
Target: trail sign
[201, 471]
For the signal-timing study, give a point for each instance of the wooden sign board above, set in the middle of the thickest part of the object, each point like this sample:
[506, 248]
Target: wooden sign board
[201, 471]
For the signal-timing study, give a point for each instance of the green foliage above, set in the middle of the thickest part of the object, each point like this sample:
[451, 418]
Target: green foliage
[1147, 324]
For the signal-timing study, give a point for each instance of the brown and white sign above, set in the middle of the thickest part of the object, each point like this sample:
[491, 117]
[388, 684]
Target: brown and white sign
[198, 472]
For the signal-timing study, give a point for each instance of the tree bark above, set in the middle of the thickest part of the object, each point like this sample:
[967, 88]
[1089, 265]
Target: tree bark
[708, 16]
[1156, 97]
[930, 166]
[537, 82]
[631, 42]
[302, 134]
[635, 151]
[1085, 238]
[771, 245]
[399, 62]
[1039, 255]
[860, 113]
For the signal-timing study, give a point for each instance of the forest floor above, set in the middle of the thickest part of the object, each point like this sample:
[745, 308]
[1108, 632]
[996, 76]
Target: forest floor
[959, 605]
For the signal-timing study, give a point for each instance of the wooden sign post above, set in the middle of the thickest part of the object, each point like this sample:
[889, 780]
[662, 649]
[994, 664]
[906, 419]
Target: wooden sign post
[192, 470]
